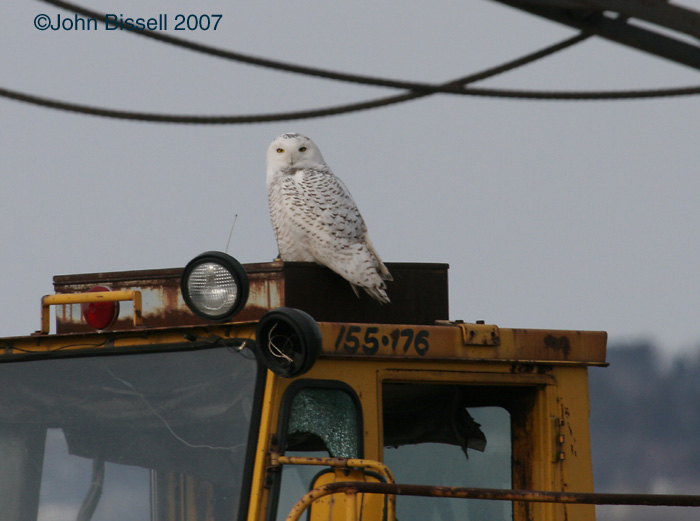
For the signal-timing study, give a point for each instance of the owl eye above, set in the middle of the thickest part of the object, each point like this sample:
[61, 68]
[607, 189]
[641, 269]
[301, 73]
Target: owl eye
[302, 149]
[280, 150]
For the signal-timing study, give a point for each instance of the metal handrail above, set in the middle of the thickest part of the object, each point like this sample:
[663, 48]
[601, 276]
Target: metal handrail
[352, 488]
[380, 468]
[80, 298]
[355, 463]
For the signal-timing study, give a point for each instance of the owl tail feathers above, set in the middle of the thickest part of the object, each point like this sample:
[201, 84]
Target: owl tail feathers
[383, 272]
[378, 293]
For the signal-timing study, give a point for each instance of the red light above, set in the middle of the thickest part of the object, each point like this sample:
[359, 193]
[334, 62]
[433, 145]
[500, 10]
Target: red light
[100, 315]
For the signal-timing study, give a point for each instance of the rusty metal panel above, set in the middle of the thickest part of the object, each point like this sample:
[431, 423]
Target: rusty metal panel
[129, 340]
[419, 295]
[563, 345]
[162, 301]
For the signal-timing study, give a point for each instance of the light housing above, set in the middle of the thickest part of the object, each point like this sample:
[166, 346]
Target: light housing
[214, 286]
[100, 315]
[289, 341]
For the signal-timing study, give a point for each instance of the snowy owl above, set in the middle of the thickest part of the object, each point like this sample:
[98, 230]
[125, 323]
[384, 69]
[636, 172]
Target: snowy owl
[315, 218]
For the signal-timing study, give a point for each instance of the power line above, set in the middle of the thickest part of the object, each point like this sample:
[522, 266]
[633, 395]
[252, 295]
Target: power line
[331, 111]
[286, 116]
[446, 88]
[603, 95]
[278, 65]
[415, 89]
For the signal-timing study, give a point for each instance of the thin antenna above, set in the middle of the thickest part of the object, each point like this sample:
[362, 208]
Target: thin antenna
[235, 217]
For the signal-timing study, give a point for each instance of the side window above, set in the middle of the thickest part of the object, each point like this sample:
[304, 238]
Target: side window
[447, 435]
[158, 436]
[320, 419]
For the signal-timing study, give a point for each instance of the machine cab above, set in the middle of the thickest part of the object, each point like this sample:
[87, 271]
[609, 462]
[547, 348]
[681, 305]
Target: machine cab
[308, 402]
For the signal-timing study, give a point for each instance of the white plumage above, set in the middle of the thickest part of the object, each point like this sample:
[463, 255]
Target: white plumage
[315, 218]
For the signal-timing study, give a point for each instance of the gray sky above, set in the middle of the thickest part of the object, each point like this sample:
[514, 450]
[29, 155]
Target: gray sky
[567, 215]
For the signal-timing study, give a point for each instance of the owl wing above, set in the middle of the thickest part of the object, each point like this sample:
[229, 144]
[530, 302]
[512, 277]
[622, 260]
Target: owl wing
[321, 206]
[335, 233]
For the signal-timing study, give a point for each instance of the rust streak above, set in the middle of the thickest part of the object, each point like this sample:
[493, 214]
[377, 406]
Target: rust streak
[560, 344]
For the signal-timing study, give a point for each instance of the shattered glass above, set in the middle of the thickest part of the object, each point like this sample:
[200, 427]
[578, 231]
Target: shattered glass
[324, 419]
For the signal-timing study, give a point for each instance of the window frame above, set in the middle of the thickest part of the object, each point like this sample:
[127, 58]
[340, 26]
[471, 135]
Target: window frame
[147, 349]
[283, 424]
[528, 411]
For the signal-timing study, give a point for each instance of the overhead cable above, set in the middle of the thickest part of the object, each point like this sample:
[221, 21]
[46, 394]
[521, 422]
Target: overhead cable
[415, 89]
[279, 65]
[285, 116]
[428, 88]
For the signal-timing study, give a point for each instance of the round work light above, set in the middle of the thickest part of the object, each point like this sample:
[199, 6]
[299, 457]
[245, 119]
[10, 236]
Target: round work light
[214, 286]
[100, 315]
[289, 341]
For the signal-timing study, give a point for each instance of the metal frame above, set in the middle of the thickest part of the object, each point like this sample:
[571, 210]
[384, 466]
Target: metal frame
[86, 298]
[353, 488]
[614, 20]
[277, 459]
[338, 463]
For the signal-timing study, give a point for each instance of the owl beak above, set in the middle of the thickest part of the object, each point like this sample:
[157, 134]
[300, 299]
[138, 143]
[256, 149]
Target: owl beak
[292, 158]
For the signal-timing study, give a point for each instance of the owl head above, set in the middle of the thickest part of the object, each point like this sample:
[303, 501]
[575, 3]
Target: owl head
[293, 151]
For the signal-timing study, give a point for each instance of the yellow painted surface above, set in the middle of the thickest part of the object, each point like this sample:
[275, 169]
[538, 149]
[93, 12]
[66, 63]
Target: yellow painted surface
[553, 366]
[554, 442]
[448, 342]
